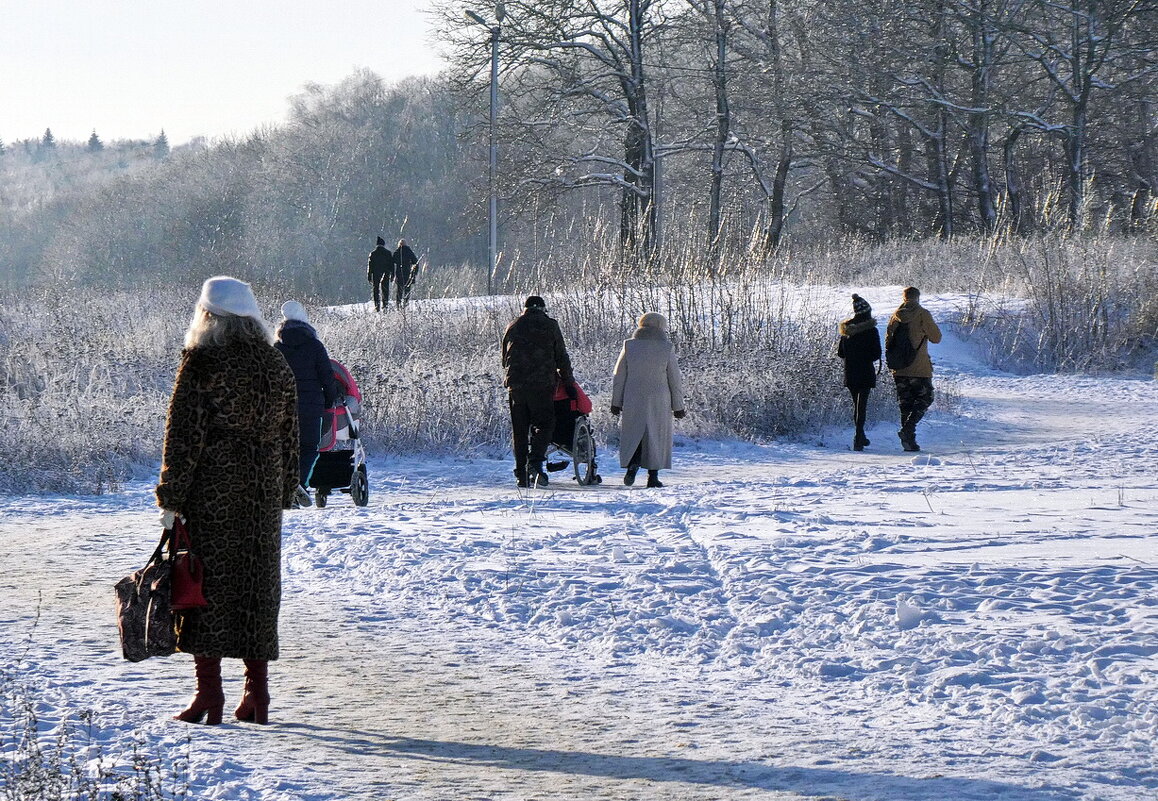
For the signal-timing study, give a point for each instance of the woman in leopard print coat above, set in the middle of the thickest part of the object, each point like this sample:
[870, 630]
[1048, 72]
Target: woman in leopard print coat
[230, 466]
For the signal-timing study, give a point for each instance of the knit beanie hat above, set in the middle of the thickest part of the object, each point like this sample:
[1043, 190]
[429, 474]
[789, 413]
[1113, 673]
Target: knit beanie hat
[860, 305]
[225, 296]
[292, 310]
[653, 320]
[535, 302]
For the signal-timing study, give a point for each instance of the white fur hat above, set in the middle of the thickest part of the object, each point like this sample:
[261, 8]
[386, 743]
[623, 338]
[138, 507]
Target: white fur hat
[653, 320]
[223, 295]
[292, 310]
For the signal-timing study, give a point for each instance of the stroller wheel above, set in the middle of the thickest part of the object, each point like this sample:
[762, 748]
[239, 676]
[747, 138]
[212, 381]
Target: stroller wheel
[360, 487]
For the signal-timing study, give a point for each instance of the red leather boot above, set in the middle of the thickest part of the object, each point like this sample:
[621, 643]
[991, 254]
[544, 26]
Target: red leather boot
[254, 706]
[209, 700]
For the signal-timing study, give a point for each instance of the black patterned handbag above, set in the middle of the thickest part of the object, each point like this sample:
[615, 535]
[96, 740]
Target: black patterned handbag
[144, 614]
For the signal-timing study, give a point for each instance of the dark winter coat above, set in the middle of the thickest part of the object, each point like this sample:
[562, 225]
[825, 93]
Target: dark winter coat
[381, 263]
[307, 357]
[860, 347]
[922, 330]
[230, 465]
[534, 355]
[404, 261]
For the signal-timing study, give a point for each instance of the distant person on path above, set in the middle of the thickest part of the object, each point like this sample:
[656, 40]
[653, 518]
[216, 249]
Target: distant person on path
[860, 347]
[648, 390]
[229, 466]
[405, 271]
[379, 272]
[914, 381]
[317, 387]
[534, 360]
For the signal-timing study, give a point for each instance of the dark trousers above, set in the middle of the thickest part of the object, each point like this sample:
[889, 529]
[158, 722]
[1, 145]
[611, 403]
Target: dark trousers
[860, 398]
[402, 292]
[310, 434]
[381, 284]
[914, 397]
[532, 421]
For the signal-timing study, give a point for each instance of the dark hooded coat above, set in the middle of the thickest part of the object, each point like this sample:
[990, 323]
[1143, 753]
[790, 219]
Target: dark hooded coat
[307, 357]
[860, 347]
[380, 263]
[534, 354]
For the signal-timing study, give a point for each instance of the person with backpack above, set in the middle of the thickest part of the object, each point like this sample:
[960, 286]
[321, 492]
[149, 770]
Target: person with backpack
[859, 347]
[910, 330]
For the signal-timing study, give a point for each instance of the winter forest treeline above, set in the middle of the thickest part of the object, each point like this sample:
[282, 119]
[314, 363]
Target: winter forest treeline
[633, 132]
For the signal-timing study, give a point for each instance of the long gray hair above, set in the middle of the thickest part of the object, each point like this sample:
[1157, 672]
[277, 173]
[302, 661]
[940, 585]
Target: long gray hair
[207, 328]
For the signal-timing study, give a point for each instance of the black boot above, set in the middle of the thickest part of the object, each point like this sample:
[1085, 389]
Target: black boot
[521, 476]
[629, 476]
[653, 479]
[536, 476]
[908, 438]
[859, 440]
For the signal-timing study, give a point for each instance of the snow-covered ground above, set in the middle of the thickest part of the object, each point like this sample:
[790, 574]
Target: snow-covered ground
[782, 621]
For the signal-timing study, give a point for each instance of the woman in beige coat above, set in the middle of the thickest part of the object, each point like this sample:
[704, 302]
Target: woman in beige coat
[648, 390]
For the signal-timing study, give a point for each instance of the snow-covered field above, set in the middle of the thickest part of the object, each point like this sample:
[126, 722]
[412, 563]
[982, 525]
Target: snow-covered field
[782, 621]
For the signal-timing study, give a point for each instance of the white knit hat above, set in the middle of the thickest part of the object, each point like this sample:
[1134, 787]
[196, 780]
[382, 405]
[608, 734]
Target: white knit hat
[223, 295]
[292, 310]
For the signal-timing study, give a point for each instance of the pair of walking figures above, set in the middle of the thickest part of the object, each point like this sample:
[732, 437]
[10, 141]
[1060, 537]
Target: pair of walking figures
[860, 348]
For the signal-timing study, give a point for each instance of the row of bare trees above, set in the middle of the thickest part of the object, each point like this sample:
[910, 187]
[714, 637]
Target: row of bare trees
[874, 117]
[630, 129]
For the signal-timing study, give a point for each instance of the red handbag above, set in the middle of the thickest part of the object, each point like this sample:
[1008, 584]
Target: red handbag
[188, 571]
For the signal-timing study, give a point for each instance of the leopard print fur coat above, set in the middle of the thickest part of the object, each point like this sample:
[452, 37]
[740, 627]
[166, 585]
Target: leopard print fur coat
[230, 466]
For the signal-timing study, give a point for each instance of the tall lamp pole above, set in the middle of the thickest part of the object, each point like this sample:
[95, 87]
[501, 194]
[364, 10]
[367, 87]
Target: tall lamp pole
[492, 200]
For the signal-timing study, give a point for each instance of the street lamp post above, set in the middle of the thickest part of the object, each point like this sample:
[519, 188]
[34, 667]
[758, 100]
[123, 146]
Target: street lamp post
[492, 199]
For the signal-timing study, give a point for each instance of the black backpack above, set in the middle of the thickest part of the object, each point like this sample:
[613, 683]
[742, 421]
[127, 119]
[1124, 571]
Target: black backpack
[899, 350]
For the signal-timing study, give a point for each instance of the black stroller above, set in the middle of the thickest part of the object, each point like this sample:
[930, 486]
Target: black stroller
[573, 437]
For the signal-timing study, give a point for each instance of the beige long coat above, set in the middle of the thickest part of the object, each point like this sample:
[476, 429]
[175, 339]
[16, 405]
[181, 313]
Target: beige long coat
[648, 386]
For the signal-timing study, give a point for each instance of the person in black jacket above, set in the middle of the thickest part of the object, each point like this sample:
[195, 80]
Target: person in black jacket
[405, 271]
[317, 388]
[534, 360]
[379, 272]
[859, 346]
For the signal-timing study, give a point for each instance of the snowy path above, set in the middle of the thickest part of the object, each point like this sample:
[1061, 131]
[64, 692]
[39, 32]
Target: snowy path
[788, 621]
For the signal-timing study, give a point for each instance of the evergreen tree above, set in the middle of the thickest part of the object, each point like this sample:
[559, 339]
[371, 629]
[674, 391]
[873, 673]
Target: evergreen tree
[161, 145]
[48, 140]
[94, 142]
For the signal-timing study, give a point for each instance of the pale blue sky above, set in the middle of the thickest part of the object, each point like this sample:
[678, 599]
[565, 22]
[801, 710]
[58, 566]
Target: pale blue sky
[129, 68]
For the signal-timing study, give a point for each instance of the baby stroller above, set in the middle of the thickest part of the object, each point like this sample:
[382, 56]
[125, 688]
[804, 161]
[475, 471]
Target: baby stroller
[573, 437]
[341, 463]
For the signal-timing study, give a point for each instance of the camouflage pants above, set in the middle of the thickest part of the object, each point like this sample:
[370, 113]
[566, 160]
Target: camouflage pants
[914, 397]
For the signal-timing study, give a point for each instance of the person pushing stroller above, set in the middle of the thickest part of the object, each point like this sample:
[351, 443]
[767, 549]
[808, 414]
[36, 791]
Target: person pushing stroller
[534, 359]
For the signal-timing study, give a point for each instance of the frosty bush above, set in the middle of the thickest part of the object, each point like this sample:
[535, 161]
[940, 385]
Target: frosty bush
[1090, 304]
[63, 759]
[85, 377]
